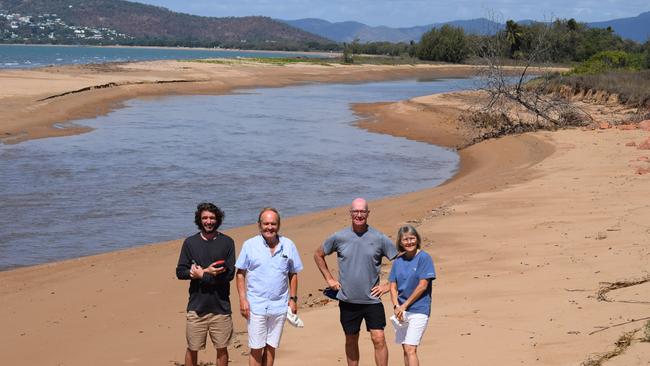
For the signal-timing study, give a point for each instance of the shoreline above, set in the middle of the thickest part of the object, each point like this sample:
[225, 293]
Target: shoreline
[509, 234]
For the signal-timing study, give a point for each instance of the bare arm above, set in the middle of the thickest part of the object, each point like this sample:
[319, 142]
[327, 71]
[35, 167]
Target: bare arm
[319, 258]
[293, 291]
[244, 307]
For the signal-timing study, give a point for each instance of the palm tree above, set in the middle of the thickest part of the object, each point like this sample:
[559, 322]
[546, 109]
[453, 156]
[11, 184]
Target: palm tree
[513, 36]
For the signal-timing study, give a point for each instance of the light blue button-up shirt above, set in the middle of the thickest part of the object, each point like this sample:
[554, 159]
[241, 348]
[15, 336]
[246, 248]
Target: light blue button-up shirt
[267, 277]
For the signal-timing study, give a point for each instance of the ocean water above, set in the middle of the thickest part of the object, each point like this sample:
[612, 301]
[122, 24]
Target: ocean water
[138, 176]
[31, 56]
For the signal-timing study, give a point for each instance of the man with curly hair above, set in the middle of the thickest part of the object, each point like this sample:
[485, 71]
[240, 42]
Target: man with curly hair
[207, 259]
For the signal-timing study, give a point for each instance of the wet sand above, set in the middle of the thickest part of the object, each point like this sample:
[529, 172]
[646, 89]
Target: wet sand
[522, 238]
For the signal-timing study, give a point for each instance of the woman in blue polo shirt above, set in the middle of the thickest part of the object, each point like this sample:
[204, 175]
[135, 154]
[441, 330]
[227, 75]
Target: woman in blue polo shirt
[410, 291]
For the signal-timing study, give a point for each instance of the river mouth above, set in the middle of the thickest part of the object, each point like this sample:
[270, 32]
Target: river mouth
[137, 177]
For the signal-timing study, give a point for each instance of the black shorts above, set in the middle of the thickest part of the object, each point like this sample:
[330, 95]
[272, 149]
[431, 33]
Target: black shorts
[353, 314]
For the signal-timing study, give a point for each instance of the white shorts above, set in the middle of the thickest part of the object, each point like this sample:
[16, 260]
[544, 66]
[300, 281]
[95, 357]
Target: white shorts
[265, 329]
[410, 332]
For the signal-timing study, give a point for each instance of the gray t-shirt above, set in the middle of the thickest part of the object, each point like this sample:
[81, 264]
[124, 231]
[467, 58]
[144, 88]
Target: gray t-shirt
[359, 258]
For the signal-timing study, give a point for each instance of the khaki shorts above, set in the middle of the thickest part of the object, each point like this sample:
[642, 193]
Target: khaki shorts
[197, 328]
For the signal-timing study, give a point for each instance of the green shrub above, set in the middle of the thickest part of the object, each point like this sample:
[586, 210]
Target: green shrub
[447, 44]
[610, 60]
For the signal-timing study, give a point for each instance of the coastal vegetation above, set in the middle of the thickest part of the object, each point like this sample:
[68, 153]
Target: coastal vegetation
[526, 91]
[448, 44]
[560, 42]
[631, 88]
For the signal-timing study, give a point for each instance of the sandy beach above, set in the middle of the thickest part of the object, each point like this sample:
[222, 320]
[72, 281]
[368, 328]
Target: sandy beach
[523, 237]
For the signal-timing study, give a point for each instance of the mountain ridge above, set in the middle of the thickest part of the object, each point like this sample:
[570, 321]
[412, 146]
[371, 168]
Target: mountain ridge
[634, 28]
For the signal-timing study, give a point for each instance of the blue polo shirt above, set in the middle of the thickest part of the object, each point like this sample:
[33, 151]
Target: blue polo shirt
[267, 276]
[408, 273]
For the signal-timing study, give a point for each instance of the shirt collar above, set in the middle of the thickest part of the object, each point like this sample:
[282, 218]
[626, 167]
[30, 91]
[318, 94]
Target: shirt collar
[279, 246]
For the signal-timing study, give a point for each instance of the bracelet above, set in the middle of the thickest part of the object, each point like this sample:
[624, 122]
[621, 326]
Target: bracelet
[294, 298]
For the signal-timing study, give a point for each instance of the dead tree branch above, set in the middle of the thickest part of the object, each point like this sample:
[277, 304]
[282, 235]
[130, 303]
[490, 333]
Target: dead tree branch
[517, 94]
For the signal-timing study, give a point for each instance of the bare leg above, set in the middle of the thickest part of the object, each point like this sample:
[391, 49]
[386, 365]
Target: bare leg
[269, 356]
[190, 357]
[222, 356]
[352, 349]
[255, 357]
[410, 355]
[381, 350]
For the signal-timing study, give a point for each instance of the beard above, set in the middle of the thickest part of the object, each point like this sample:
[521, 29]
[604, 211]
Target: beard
[209, 231]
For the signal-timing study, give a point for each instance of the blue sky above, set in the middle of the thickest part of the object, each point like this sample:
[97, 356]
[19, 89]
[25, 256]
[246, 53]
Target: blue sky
[403, 13]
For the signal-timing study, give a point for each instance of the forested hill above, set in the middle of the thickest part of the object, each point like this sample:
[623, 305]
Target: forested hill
[152, 24]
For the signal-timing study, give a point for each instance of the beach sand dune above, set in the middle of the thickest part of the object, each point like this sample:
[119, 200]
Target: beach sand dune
[524, 237]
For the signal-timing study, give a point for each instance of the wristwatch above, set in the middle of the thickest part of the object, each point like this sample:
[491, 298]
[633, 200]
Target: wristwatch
[294, 298]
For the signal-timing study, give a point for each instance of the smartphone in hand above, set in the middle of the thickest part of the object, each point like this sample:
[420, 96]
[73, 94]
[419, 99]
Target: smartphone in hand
[218, 264]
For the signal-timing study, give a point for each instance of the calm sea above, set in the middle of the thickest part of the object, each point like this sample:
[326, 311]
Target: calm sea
[138, 176]
[29, 56]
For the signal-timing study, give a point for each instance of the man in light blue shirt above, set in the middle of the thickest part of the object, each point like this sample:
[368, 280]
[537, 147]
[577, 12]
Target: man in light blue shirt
[267, 281]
